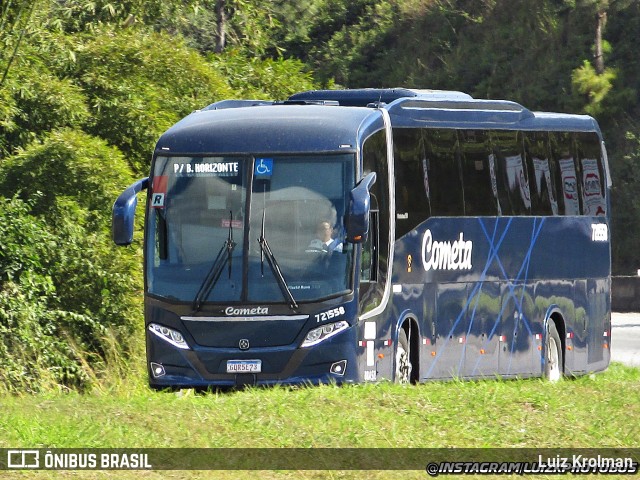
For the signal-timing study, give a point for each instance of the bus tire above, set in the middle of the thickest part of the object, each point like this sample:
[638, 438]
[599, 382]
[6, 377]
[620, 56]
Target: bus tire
[403, 359]
[554, 356]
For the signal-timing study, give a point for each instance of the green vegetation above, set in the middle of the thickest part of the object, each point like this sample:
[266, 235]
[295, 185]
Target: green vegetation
[87, 86]
[493, 413]
[437, 414]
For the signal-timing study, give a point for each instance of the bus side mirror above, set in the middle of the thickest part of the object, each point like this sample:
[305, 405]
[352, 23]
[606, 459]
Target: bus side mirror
[124, 210]
[357, 218]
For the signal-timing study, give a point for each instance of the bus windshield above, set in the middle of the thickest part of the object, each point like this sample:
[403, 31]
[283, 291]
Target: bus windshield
[239, 229]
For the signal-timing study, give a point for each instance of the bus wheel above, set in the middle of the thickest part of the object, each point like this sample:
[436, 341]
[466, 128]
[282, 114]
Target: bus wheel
[403, 360]
[553, 354]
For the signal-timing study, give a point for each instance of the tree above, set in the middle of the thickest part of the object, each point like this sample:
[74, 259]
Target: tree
[625, 252]
[268, 79]
[602, 8]
[139, 84]
[14, 21]
[221, 23]
[601, 20]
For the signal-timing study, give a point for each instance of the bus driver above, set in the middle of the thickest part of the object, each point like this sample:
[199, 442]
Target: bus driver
[325, 241]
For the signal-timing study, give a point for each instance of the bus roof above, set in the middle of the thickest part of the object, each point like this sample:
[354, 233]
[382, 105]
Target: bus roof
[483, 114]
[274, 128]
[361, 97]
[335, 120]
[451, 109]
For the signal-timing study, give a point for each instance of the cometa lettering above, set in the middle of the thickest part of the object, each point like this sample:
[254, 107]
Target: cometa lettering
[446, 255]
[231, 311]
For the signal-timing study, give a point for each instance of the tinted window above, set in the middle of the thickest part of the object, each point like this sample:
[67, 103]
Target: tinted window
[442, 174]
[512, 174]
[412, 201]
[478, 173]
[450, 172]
[590, 160]
[541, 181]
[564, 167]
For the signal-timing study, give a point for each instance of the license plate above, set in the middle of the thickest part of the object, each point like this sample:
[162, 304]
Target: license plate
[244, 366]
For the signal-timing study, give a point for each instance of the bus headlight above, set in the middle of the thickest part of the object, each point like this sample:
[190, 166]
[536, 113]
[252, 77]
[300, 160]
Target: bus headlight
[174, 337]
[320, 334]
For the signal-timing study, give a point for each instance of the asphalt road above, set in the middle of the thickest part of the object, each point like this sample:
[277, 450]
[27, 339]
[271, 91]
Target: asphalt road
[625, 338]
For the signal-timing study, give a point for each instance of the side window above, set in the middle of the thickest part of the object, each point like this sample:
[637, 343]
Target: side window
[369, 267]
[442, 174]
[513, 176]
[374, 159]
[478, 173]
[564, 167]
[589, 154]
[541, 181]
[411, 183]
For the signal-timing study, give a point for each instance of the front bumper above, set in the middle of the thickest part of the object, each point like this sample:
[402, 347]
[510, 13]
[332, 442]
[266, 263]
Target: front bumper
[332, 361]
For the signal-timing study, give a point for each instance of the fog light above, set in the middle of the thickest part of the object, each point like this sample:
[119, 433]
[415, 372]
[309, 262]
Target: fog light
[339, 368]
[157, 370]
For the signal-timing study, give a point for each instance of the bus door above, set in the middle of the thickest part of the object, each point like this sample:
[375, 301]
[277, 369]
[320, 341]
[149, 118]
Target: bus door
[599, 324]
[578, 336]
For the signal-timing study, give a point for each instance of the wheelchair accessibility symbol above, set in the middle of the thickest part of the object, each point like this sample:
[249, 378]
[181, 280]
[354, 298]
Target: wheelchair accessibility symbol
[263, 167]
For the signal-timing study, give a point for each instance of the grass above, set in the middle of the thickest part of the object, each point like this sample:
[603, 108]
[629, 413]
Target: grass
[592, 411]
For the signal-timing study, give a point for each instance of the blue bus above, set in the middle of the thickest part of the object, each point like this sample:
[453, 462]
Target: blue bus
[373, 234]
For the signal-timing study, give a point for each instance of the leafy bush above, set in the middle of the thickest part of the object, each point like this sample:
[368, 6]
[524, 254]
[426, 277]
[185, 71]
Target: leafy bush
[65, 292]
[36, 102]
[36, 337]
[593, 86]
[67, 163]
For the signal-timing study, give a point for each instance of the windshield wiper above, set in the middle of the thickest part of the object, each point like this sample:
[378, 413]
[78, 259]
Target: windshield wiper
[224, 256]
[273, 263]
